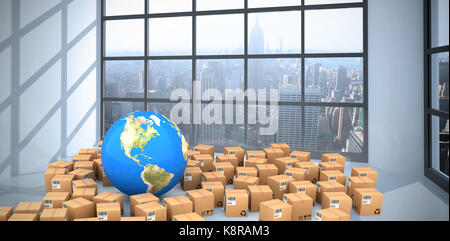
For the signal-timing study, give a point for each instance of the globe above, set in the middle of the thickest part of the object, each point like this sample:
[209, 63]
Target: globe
[144, 152]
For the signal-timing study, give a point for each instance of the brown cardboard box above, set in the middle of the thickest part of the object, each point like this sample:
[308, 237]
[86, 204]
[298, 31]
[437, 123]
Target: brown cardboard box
[330, 176]
[105, 180]
[82, 174]
[5, 213]
[109, 197]
[365, 172]
[89, 151]
[236, 203]
[331, 214]
[133, 219]
[367, 201]
[178, 205]
[242, 182]
[205, 149]
[49, 174]
[141, 199]
[86, 219]
[359, 182]
[193, 163]
[272, 154]
[258, 194]
[203, 201]
[283, 146]
[284, 163]
[227, 169]
[218, 189]
[312, 170]
[233, 160]
[86, 193]
[84, 183]
[237, 152]
[279, 185]
[302, 205]
[98, 169]
[331, 166]
[246, 171]
[192, 178]
[214, 177]
[79, 208]
[24, 217]
[301, 156]
[298, 174]
[190, 153]
[275, 210]
[54, 214]
[303, 187]
[153, 211]
[88, 165]
[108, 211]
[265, 171]
[255, 154]
[188, 217]
[327, 186]
[206, 162]
[62, 183]
[62, 164]
[55, 199]
[333, 157]
[99, 144]
[339, 200]
[84, 157]
[252, 162]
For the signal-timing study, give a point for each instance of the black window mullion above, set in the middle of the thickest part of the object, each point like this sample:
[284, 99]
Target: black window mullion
[303, 114]
[146, 61]
[246, 71]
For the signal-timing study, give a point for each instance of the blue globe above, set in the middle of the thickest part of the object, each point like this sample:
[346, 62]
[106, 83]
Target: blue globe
[144, 152]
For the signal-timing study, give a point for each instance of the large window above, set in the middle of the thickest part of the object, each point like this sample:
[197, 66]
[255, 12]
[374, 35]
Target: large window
[313, 53]
[436, 91]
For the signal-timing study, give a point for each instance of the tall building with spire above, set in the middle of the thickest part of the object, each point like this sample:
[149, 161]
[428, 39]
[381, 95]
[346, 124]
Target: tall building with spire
[256, 46]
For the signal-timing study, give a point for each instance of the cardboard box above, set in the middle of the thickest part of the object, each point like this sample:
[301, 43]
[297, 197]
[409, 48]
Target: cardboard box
[279, 185]
[359, 182]
[275, 210]
[84, 183]
[227, 169]
[331, 214]
[86, 219]
[232, 159]
[203, 201]
[255, 155]
[190, 153]
[98, 169]
[339, 200]
[141, 199]
[30, 207]
[89, 151]
[312, 170]
[283, 146]
[246, 171]
[133, 219]
[109, 197]
[237, 152]
[84, 157]
[205, 149]
[303, 187]
[327, 186]
[272, 154]
[218, 189]
[86, 193]
[152, 211]
[62, 164]
[84, 165]
[177, 205]
[62, 183]
[5, 213]
[55, 199]
[298, 174]
[265, 171]
[206, 162]
[284, 163]
[188, 217]
[79, 208]
[54, 214]
[242, 182]
[336, 176]
[331, 166]
[108, 211]
[193, 163]
[365, 172]
[214, 177]
[105, 180]
[367, 201]
[333, 157]
[192, 178]
[80, 174]
[236, 203]
[49, 174]
[258, 194]
[301, 156]
[24, 217]
[252, 162]
[302, 205]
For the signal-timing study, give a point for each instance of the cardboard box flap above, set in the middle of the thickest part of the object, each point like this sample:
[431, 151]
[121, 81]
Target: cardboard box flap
[236, 192]
[64, 177]
[274, 204]
[302, 183]
[212, 184]
[201, 193]
[298, 197]
[108, 196]
[333, 213]
[27, 206]
[177, 200]
[145, 197]
[193, 170]
[366, 191]
[78, 202]
[84, 191]
[259, 188]
[151, 206]
[57, 196]
[55, 171]
[357, 179]
[249, 179]
[54, 213]
[107, 206]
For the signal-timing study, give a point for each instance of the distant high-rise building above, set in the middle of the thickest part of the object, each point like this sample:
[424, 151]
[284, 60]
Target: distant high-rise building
[316, 75]
[324, 137]
[290, 118]
[355, 141]
[312, 113]
[256, 45]
[341, 79]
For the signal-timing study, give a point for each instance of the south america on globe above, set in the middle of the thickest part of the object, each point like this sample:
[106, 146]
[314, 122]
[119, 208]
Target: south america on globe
[144, 152]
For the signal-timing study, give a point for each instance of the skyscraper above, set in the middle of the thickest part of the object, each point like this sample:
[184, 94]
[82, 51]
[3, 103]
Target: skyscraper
[290, 118]
[312, 94]
[256, 46]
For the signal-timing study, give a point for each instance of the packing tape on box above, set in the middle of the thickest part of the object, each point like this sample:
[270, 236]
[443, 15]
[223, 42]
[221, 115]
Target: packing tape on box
[335, 213]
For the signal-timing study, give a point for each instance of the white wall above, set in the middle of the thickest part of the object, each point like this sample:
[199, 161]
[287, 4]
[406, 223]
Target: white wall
[49, 65]
[396, 110]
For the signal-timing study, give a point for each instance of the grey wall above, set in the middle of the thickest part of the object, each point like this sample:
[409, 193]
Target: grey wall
[396, 110]
[49, 72]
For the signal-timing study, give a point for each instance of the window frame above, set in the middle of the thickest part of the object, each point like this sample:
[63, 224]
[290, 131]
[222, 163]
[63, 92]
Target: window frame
[354, 157]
